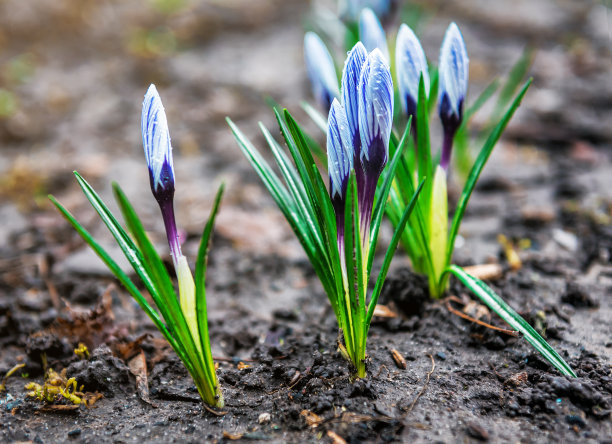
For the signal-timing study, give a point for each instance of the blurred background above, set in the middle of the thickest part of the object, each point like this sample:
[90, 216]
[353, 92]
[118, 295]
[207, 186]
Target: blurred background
[73, 74]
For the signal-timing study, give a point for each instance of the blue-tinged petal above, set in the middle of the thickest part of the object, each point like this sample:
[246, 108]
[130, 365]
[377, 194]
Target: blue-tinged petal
[372, 34]
[410, 64]
[350, 82]
[339, 151]
[349, 9]
[321, 70]
[453, 72]
[157, 146]
[375, 112]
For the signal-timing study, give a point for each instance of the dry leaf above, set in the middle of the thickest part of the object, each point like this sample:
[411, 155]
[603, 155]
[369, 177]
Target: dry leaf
[336, 439]
[232, 436]
[312, 419]
[398, 358]
[138, 367]
[485, 272]
[382, 311]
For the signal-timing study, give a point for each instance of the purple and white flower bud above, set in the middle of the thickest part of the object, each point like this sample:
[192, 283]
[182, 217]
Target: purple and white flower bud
[453, 75]
[375, 92]
[372, 34]
[158, 153]
[410, 65]
[339, 162]
[321, 70]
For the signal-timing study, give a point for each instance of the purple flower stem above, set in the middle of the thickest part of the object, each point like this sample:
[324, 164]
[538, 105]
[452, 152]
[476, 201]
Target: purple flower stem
[167, 210]
[447, 147]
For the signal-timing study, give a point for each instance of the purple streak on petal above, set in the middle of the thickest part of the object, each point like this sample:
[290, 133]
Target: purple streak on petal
[450, 125]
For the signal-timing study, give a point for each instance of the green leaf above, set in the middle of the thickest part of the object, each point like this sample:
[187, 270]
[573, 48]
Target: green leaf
[352, 267]
[382, 198]
[481, 160]
[117, 271]
[504, 311]
[434, 83]
[399, 229]
[162, 282]
[513, 81]
[133, 255]
[200, 284]
[484, 96]
[425, 166]
[316, 116]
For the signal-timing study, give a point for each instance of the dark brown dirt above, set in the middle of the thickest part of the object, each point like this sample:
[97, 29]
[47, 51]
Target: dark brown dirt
[550, 181]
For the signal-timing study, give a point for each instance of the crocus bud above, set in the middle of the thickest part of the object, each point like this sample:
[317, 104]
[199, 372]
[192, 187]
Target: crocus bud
[372, 34]
[410, 65]
[157, 146]
[158, 153]
[375, 92]
[321, 70]
[453, 72]
[339, 161]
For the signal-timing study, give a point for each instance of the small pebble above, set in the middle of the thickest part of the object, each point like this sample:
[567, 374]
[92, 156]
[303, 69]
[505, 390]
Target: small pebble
[441, 355]
[75, 432]
[264, 418]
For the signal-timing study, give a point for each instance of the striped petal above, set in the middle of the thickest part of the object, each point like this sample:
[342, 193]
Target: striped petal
[321, 70]
[350, 83]
[410, 64]
[375, 112]
[454, 65]
[372, 34]
[339, 151]
[157, 146]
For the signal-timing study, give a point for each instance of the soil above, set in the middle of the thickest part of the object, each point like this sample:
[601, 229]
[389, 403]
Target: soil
[77, 83]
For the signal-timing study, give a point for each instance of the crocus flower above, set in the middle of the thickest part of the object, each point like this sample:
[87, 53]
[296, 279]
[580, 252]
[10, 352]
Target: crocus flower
[410, 65]
[321, 70]
[158, 153]
[339, 161]
[375, 93]
[453, 72]
[371, 33]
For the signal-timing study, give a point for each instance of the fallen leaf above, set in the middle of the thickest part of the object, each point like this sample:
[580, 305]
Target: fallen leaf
[232, 436]
[138, 367]
[312, 419]
[382, 311]
[336, 439]
[485, 272]
[398, 358]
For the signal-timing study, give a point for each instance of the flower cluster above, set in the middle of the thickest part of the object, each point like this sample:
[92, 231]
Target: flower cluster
[359, 127]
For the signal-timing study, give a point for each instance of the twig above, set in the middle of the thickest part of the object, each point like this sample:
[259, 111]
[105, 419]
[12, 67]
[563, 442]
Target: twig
[382, 367]
[214, 412]
[474, 320]
[422, 392]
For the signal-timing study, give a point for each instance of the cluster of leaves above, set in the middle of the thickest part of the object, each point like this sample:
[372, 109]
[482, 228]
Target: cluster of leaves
[169, 318]
[305, 202]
